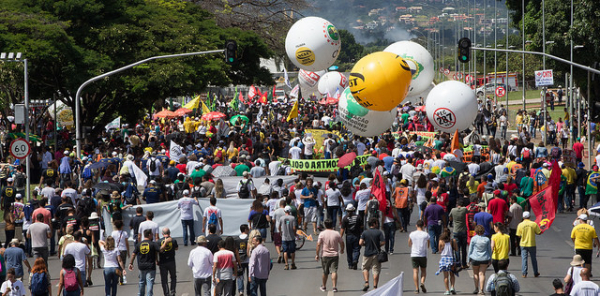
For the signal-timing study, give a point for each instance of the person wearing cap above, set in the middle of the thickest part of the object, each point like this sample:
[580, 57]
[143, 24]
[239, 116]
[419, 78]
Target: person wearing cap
[527, 230]
[186, 208]
[585, 239]
[352, 226]
[152, 193]
[329, 245]
[309, 199]
[287, 228]
[249, 190]
[9, 192]
[574, 271]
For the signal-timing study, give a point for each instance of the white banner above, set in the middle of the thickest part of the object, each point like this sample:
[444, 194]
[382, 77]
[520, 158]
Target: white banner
[544, 78]
[175, 152]
[116, 123]
[392, 288]
[230, 183]
[166, 214]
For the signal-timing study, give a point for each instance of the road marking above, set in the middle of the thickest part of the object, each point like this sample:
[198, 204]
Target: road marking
[330, 293]
[570, 243]
[556, 229]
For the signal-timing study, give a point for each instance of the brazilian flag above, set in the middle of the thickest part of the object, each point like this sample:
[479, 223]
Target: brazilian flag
[448, 171]
[592, 186]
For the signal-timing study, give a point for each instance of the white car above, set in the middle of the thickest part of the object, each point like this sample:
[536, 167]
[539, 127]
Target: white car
[490, 88]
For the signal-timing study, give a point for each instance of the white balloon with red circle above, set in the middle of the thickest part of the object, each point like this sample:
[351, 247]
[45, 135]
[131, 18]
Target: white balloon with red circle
[313, 43]
[362, 121]
[451, 105]
[309, 82]
[332, 82]
[420, 62]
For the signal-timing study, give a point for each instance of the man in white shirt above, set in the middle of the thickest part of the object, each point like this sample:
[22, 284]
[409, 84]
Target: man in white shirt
[585, 287]
[418, 241]
[208, 212]
[158, 167]
[81, 252]
[408, 171]
[200, 261]
[186, 208]
[148, 224]
[295, 152]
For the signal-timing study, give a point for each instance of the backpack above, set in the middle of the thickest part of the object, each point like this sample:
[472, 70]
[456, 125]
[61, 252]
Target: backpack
[219, 154]
[212, 217]
[85, 207]
[39, 283]
[19, 180]
[245, 189]
[373, 208]
[70, 279]
[152, 164]
[281, 171]
[503, 285]
[131, 194]
[555, 152]
[526, 154]
[87, 173]
[179, 188]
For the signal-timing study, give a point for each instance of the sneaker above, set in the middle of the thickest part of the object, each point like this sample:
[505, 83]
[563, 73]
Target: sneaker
[124, 280]
[287, 267]
[294, 266]
[423, 288]
[323, 289]
[453, 291]
[366, 287]
[475, 291]
[447, 293]
[279, 260]
[537, 274]
[335, 289]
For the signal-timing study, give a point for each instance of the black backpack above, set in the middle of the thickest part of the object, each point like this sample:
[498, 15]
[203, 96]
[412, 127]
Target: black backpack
[503, 285]
[152, 164]
[245, 189]
[179, 188]
[85, 207]
[373, 209]
[19, 180]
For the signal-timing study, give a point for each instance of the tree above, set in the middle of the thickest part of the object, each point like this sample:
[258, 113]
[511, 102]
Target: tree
[350, 52]
[68, 42]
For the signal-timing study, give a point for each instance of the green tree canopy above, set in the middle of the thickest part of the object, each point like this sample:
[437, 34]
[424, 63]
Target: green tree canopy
[68, 42]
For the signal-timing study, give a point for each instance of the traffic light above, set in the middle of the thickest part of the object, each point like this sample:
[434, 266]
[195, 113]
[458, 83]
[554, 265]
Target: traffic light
[230, 52]
[464, 50]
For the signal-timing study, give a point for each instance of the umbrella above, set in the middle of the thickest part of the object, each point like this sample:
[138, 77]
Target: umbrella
[234, 118]
[213, 116]
[346, 160]
[165, 114]
[594, 210]
[458, 166]
[182, 111]
[223, 171]
[420, 108]
[107, 186]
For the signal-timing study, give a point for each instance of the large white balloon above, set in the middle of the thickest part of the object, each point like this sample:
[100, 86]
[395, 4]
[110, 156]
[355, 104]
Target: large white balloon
[362, 121]
[313, 44]
[420, 62]
[309, 82]
[332, 82]
[417, 98]
[451, 105]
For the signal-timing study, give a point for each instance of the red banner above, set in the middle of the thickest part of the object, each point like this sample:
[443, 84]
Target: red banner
[378, 189]
[543, 204]
[252, 92]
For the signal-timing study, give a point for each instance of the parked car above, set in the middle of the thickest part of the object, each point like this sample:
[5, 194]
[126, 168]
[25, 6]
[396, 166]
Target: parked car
[490, 88]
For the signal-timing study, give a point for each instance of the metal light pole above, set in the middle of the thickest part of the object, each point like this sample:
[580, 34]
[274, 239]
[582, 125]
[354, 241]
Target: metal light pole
[80, 89]
[570, 93]
[496, 53]
[485, 52]
[523, 55]
[544, 32]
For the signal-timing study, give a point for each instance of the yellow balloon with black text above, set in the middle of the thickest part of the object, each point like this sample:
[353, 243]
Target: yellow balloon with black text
[380, 81]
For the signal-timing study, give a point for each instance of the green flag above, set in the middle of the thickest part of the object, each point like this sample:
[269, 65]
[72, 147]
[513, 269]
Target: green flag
[270, 95]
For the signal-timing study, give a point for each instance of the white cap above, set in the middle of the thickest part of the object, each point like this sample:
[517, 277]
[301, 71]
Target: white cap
[9, 180]
[288, 209]
[583, 217]
[350, 207]
[186, 192]
[19, 196]
[152, 182]
[526, 215]
[114, 153]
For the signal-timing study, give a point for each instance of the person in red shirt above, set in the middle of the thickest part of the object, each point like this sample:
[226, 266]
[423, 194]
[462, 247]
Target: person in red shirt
[497, 207]
[578, 148]
[510, 185]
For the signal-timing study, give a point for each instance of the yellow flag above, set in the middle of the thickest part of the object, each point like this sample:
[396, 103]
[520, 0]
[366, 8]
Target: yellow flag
[204, 108]
[294, 112]
[193, 104]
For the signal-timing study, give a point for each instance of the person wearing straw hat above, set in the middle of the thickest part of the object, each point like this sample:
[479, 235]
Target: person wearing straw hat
[574, 271]
[585, 239]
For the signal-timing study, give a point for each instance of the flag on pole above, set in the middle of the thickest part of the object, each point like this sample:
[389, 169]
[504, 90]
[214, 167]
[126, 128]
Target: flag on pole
[394, 287]
[294, 92]
[287, 78]
[455, 144]
[251, 92]
[116, 123]
[193, 104]
[204, 108]
[263, 97]
[378, 189]
[241, 98]
[175, 151]
[544, 203]
[233, 104]
[337, 93]
[271, 96]
[259, 115]
[294, 112]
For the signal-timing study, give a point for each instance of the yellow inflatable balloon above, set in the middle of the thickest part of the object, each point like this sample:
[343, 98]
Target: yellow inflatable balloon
[380, 81]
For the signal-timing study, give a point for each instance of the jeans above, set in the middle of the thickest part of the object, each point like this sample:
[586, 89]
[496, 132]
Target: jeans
[514, 242]
[525, 252]
[503, 132]
[434, 236]
[532, 131]
[166, 269]
[332, 213]
[110, 281]
[146, 282]
[583, 198]
[461, 241]
[224, 287]
[389, 230]
[202, 286]
[72, 293]
[188, 224]
[258, 284]
[404, 214]
[352, 249]
[240, 279]
[41, 252]
[263, 233]
[570, 196]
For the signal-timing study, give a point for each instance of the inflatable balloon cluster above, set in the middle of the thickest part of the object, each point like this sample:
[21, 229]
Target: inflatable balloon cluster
[362, 121]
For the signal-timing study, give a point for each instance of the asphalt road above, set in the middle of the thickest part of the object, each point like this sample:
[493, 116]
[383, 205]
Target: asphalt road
[555, 251]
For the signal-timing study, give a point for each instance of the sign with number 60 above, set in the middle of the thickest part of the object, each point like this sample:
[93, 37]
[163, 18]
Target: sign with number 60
[19, 148]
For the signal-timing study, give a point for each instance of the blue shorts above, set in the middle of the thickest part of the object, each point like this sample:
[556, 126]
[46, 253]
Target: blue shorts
[289, 247]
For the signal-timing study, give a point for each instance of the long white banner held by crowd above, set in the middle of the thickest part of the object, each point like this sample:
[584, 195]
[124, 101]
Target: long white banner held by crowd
[166, 214]
[392, 288]
[230, 183]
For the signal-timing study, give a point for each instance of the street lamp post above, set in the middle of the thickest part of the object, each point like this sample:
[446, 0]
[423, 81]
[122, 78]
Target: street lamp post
[523, 55]
[12, 57]
[80, 89]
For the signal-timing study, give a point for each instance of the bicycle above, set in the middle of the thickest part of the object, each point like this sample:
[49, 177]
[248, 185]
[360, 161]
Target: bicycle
[301, 238]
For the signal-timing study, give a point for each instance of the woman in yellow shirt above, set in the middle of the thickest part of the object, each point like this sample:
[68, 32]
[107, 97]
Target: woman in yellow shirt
[472, 186]
[231, 151]
[500, 245]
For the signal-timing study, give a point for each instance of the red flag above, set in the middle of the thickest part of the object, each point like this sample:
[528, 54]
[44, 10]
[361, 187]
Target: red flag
[378, 189]
[252, 92]
[263, 98]
[543, 204]
[242, 98]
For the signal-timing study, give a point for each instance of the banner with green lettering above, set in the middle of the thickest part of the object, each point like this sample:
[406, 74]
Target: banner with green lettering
[319, 165]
